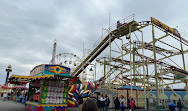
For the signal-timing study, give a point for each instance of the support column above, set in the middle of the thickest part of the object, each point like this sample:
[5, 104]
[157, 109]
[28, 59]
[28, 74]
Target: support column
[155, 65]
[183, 60]
[104, 70]
[134, 69]
[130, 57]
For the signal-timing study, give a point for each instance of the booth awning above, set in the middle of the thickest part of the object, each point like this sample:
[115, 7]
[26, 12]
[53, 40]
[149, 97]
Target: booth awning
[6, 87]
[18, 79]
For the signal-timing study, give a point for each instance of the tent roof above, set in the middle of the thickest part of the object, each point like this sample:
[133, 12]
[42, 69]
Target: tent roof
[129, 87]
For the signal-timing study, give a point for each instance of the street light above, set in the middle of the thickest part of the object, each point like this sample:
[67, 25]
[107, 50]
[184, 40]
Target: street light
[94, 76]
[8, 70]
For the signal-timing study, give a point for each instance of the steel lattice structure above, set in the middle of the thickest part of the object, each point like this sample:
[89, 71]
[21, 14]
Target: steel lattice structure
[150, 64]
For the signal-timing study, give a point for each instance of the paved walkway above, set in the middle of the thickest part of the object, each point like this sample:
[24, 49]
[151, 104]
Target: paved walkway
[11, 106]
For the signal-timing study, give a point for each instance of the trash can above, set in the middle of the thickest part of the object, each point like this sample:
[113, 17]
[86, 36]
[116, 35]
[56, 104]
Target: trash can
[172, 106]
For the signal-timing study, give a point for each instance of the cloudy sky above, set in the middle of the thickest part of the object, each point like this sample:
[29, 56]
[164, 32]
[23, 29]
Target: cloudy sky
[29, 27]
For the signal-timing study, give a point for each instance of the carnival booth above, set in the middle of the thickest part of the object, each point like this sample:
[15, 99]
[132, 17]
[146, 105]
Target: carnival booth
[48, 87]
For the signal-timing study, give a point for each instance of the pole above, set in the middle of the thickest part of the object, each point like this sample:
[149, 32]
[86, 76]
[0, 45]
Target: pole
[95, 71]
[130, 58]
[122, 62]
[183, 59]
[54, 52]
[109, 44]
[155, 65]
[8, 70]
[134, 70]
[104, 69]
[6, 81]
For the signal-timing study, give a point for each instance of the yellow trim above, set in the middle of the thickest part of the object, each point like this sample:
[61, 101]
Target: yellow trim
[38, 105]
[32, 77]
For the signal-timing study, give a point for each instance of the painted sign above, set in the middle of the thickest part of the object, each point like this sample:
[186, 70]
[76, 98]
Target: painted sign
[48, 69]
[165, 27]
[57, 70]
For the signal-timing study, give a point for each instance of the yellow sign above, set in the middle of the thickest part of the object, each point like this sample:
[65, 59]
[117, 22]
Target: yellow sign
[165, 27]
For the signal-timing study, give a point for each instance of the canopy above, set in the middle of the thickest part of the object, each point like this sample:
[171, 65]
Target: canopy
[6, 87]
[129, 87]
[18, 79]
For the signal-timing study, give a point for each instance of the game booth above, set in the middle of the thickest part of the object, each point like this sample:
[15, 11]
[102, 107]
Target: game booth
[48, 87]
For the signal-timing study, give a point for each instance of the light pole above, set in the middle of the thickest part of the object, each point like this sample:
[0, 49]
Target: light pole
[8, 70]
[94, 76]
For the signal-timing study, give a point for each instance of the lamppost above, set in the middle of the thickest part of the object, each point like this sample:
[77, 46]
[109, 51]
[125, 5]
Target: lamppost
[94, 76]
[8, 70]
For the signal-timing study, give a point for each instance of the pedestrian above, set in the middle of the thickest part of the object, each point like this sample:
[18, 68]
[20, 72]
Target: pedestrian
[95, 98]
[1, 95]
[132, 104]
[89, 105]
[122, 103]
[128, 103]
[118, 24]
[80, 99]
[179, 105]
[101, 102]
[5, 96]
[117, 104]
[107, 102]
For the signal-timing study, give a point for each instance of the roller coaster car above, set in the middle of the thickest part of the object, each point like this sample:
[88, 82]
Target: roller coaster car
[123, 29]
[176, 32]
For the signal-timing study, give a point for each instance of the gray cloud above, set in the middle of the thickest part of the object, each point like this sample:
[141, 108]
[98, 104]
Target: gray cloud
[28, 28]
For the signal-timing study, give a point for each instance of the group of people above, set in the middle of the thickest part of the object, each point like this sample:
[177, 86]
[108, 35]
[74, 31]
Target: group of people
[4, 96]
[96, 103]
[101, 103]
[120, 104]
[119, 24]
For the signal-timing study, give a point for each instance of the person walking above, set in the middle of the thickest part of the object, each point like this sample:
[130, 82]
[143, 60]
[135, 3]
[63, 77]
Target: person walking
[122, 103]
[128, 103]
[117, 104]
[1, 95]
[132, 104]
[179, 105]
[101, 102]
[4, 96]
[107, 102]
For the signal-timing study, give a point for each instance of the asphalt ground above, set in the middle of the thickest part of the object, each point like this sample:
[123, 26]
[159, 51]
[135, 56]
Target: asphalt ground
[11, 106]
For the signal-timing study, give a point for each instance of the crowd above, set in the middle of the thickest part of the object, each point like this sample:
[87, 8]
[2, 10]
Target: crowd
[95, 103]
[101, 103]
[120, 104]
[20, 98]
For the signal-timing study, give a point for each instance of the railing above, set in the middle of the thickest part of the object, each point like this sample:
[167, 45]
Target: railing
[111, 28]
[123, 21]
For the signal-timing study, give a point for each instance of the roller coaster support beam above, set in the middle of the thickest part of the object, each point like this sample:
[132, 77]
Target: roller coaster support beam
[155, 64]
[134, 69]
[183, 59]
[104, 69]
[130, 58]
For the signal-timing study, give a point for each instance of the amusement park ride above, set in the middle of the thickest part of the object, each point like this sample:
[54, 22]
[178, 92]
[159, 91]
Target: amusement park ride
[137, 58]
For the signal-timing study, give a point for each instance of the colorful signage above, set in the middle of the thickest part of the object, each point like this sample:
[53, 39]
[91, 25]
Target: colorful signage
[57, 70]
[47, 69]
[165, 27]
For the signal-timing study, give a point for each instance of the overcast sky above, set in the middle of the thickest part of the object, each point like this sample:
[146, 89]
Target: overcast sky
[29, 27]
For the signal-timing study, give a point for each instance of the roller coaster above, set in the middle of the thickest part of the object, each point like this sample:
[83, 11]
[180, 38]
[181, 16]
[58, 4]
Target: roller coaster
[149, 65]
